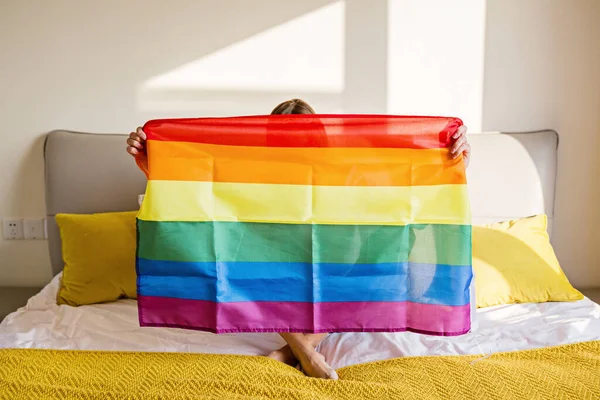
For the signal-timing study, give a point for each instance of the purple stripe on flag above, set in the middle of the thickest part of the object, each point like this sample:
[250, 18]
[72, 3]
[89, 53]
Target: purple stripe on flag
[304, 317]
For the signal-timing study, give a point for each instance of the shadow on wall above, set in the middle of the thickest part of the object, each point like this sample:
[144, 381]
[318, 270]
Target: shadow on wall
[260, 57]
[97, 58]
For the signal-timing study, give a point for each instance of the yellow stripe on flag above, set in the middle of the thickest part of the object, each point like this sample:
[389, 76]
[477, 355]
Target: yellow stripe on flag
[251, 202]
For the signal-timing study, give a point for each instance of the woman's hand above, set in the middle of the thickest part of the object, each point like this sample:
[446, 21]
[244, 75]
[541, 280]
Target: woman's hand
[136, 142]
[460, 145]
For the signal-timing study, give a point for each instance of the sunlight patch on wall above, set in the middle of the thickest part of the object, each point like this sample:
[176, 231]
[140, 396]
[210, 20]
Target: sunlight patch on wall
[436, 58]
[306, 53]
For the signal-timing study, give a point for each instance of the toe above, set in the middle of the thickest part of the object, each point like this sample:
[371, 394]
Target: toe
[332, 375]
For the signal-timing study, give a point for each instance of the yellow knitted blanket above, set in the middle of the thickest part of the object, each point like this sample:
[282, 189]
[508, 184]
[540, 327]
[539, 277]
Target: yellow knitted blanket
[564, 372]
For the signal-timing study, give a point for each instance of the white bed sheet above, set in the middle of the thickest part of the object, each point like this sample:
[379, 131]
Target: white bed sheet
[114, 326]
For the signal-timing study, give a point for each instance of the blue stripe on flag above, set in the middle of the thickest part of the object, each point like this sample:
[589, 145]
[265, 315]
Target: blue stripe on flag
[280, 281]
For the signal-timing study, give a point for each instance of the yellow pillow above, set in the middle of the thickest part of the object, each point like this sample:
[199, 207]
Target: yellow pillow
[514, 262]
[99, 255]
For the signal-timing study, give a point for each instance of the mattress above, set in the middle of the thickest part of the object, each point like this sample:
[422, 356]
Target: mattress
[115, 327]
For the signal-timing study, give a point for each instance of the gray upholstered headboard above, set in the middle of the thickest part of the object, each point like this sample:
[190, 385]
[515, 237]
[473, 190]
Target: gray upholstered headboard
[87, 173]
[511, 175]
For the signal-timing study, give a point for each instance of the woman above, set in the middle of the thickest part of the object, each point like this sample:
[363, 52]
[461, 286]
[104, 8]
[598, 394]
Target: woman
[301, 346]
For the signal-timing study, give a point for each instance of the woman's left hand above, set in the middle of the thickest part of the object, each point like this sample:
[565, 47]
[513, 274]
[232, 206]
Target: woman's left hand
[460, 145]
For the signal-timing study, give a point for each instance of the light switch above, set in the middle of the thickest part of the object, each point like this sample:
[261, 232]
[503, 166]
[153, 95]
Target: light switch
[34, 229]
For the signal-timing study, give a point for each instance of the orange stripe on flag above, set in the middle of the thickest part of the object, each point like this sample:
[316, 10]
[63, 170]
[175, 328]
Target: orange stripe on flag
[322, 166]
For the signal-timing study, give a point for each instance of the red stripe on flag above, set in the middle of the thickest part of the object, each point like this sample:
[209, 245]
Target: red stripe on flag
[378, 131]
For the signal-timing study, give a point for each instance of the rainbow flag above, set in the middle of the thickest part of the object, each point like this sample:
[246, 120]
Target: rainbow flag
[304, 223]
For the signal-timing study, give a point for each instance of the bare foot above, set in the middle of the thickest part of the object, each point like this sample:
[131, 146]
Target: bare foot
[314, 364]
[302, 347]
[284, 355]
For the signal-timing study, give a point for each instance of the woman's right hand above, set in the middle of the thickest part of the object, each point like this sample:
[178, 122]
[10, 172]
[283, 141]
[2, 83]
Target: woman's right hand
[136, 142]
[136, 146]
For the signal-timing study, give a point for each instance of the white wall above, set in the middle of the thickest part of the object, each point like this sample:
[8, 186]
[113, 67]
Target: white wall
[110, 66]
[542, 70]
[436, 55]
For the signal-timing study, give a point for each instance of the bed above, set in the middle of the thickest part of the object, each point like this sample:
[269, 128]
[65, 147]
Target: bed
[78, 180]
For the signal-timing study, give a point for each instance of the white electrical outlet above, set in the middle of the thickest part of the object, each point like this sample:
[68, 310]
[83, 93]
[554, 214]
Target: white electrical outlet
[12, 229]
[34, 229]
